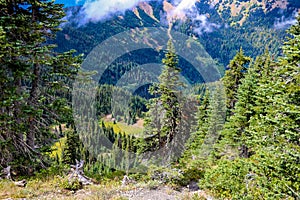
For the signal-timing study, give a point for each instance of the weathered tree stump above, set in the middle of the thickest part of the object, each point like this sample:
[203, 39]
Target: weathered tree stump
[7, 172]
[125, 180]
[77, 173]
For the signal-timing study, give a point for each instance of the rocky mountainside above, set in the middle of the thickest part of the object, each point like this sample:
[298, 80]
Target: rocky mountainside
[222, 26]
[236, 11]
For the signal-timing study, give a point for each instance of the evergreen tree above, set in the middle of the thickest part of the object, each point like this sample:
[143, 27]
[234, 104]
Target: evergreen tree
[275, 133]
[248, 104]
[168, 101]
[193, 146]
[233, 77]
[34, 80]
[266, 122]
[198, 137]
[71, 151]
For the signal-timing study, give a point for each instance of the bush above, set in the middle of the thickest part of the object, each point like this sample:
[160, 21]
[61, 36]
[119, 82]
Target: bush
[277, 174]
[51, 172]
[228, 179]
[268, 174]
[165, 175]
[193, 172]
[73, 184]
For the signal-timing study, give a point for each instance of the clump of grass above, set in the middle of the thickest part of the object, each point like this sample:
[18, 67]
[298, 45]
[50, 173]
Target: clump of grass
[33, 188]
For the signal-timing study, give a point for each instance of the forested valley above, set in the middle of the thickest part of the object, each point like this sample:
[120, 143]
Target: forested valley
[232, 135]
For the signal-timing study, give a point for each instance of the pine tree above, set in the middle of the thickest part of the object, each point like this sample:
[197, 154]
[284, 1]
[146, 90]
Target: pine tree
[168, 101]
[248, 103]
[233, 77]
[71, 151]
[193, 146]
[289, 73]
[34, 80]
[277, 129]
[266, 122]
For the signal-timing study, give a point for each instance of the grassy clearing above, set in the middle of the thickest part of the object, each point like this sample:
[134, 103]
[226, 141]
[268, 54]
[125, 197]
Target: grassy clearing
[121, 127]
[51, 189]
[33, 189]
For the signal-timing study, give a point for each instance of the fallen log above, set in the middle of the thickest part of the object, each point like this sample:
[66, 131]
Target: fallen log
[21, 183]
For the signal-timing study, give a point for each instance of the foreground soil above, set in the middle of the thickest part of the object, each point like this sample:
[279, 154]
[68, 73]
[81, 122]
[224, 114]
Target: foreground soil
[108, 191]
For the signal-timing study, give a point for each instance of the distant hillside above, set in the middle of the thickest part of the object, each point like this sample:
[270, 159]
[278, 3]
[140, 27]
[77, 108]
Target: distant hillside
[222, 26]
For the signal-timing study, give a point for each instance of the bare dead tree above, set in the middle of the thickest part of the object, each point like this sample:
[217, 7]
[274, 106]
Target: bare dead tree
[77, 172]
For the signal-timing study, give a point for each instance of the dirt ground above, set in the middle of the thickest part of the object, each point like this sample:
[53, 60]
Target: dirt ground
[160, 193]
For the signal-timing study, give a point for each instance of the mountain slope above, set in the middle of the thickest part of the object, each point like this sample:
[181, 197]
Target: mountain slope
[222, 26]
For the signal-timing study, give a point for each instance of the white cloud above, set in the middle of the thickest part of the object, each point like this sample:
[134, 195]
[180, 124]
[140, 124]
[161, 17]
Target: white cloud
[185, 6]
[102, 9]
[99, 10]
[202, 25]
[187, 9]
[284, 23]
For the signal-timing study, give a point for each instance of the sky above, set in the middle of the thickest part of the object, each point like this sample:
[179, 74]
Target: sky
[68, 3]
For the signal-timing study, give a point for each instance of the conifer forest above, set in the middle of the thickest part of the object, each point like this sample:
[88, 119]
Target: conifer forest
[162, 99]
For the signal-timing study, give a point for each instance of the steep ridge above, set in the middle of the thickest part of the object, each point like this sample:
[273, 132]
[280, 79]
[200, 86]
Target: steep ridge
[222, 26]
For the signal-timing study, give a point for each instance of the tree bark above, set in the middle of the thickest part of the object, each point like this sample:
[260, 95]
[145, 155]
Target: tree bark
[32, 101]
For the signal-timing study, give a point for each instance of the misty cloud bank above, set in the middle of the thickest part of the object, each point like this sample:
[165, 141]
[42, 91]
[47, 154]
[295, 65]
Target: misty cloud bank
[98, 10]
[188, 9]
[203, 25]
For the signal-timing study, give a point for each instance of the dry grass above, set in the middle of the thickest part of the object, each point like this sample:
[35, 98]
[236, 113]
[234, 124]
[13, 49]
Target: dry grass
[50, 189]
[121, 127]
[110, 190]
[34, 188]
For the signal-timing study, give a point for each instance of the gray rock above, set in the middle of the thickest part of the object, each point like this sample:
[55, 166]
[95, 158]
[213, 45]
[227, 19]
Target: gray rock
[193, 186]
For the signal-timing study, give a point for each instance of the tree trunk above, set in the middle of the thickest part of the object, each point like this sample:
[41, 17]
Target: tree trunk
[17, 110]
[32, 101]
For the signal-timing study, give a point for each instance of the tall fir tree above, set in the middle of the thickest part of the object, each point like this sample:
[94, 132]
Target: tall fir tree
[71, 151]
[233, 76]
[197, 138]
[248, 104]
[167, 104]
[34, 80]
[280, 136]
